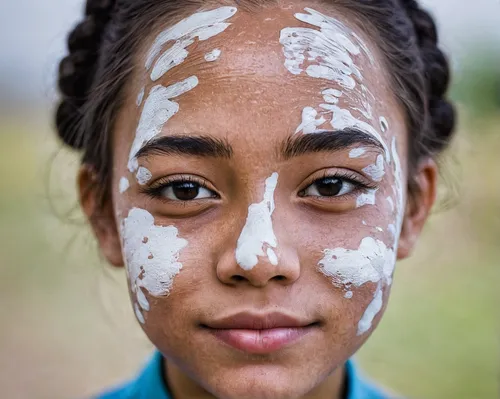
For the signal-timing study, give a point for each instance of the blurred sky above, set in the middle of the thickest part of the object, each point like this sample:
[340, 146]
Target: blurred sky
[33, 32]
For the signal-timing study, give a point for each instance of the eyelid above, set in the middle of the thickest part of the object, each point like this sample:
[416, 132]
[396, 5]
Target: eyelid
[345, 174]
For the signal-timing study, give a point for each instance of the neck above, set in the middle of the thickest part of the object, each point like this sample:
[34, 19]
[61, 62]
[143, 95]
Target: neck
[182, 386]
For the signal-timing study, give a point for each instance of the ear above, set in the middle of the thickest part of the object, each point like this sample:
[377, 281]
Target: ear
[418, 209]
[100, 215]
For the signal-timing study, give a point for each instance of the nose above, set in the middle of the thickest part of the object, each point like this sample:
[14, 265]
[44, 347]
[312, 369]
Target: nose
[283, 269]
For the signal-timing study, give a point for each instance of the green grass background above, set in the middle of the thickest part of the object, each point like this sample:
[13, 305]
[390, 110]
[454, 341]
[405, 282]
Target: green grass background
[68, 328]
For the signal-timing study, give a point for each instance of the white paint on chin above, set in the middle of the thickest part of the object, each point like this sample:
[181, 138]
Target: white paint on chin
[158, 109]
[151, 253]
[258, 229]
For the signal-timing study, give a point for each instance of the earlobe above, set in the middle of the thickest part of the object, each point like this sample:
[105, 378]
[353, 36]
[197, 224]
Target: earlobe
[418, 209]
[100, 215]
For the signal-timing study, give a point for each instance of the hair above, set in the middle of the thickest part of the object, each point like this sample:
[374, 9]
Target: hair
[102, 48]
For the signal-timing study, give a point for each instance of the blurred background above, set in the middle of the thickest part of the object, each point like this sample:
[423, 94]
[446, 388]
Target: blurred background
[67, 329]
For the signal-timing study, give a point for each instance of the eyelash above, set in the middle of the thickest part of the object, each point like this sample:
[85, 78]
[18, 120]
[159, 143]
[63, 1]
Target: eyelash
[156, 189]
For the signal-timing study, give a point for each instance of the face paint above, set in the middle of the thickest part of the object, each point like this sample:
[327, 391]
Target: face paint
[376, 172]
[151, 254]
[123, 185]
[398, 174]
[202, 25]
[357, 152]
[258, 230]
[212, 55]
[138, 314]
[140, 96]
[309, 121]
[383, 124]
[371, 311]
[391, 203]
[143, 175]
[158, 109]
[348, 295]
[367, 198]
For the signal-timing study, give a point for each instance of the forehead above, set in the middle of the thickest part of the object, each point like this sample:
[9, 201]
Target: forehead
[262, 69]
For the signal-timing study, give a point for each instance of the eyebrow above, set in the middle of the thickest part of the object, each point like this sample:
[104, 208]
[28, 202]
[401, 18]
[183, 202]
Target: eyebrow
[295, 145]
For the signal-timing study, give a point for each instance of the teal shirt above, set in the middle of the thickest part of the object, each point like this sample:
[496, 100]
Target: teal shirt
[149, 384]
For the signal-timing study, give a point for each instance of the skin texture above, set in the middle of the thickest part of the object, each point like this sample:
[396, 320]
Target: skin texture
[250, 100]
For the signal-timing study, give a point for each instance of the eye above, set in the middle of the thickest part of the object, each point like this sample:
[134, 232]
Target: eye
[185, 191]
[331, 186]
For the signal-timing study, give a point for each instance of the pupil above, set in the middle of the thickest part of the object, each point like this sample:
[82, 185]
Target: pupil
[329, 187]
[186, 191]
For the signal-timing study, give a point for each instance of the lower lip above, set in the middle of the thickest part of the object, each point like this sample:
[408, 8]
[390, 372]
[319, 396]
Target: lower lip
[261, 341]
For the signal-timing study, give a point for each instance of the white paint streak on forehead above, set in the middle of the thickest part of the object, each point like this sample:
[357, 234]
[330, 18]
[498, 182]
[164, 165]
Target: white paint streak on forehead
[151, 252]
[309, 121]
[371, 262]
[140, 97]
[143, 175]
[357, 152]
[371, 311]
[158, 109]
[212, 55]
[258, 229]
[367, 198]
[376, 171]
[201, 25]
[123, 185]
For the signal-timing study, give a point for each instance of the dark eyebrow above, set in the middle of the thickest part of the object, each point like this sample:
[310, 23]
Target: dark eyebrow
[202, 146]
[327, 140]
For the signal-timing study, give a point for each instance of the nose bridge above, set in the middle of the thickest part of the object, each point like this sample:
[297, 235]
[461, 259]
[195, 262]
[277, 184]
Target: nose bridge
[263, 252]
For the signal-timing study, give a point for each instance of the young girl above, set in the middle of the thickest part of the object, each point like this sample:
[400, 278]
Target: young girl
[258, 167]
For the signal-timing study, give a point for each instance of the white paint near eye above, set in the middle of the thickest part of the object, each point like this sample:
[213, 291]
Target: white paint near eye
[357, 152]
[151, 252]
[212, 55]
[363, 223]
[158, 109]
[398, 175]
[140, 96]
[123, 185]
[383, 124]
[201, 25]
[271, 255]
[143, 175]
[376, 171]
[142, 300]
[348, 295]
[371, 311]
[309, 121]
[391, 203]
[392, 229]
[138, 314]
[371, 262]
[258, 229]
[379, 228]
[367, 198]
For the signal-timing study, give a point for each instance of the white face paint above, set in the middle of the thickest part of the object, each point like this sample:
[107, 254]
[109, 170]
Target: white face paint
[371, 311]
[357, 152]
[213, 55]
[138, 314]
[258, 230]
[143, 175]
[202, 25]
[398, 174]
[391, 203]
[123, 185]
[367, 198]
[383, 124]
[151, 254]
[140, 97]
[376, 172]
[309, 121]
[348, 295]
[158, 109]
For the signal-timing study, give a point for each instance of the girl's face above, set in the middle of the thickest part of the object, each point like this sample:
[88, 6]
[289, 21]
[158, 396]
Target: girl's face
[259, 175]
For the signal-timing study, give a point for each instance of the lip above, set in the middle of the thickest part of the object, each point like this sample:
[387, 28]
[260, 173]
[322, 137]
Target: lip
[260, 333]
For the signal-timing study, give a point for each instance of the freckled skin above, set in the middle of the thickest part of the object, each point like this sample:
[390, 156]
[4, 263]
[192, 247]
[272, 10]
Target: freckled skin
[250, 99]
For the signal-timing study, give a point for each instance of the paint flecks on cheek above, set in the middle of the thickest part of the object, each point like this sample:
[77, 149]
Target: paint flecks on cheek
[371, 311]
[123, 185]
[258, 230]
[366, 198]
[151, 254]
[143, 175]
[212, 55]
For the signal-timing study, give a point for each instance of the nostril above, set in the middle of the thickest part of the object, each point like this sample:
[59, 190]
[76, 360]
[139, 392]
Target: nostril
[279, 278]
[237, 277]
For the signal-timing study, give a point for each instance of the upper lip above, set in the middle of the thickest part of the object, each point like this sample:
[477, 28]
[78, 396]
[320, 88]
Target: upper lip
[255, 321]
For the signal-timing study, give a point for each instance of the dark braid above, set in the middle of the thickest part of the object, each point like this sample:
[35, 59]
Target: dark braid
[77, 70]
[437, 77]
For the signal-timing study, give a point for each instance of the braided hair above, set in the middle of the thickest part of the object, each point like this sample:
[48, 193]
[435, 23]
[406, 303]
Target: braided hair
[93, 77]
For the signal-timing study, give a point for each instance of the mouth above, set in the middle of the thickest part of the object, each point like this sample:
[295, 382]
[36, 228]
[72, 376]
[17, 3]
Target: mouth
[260, 333]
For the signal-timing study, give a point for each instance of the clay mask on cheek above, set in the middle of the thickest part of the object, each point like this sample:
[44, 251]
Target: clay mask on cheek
[151, 255]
